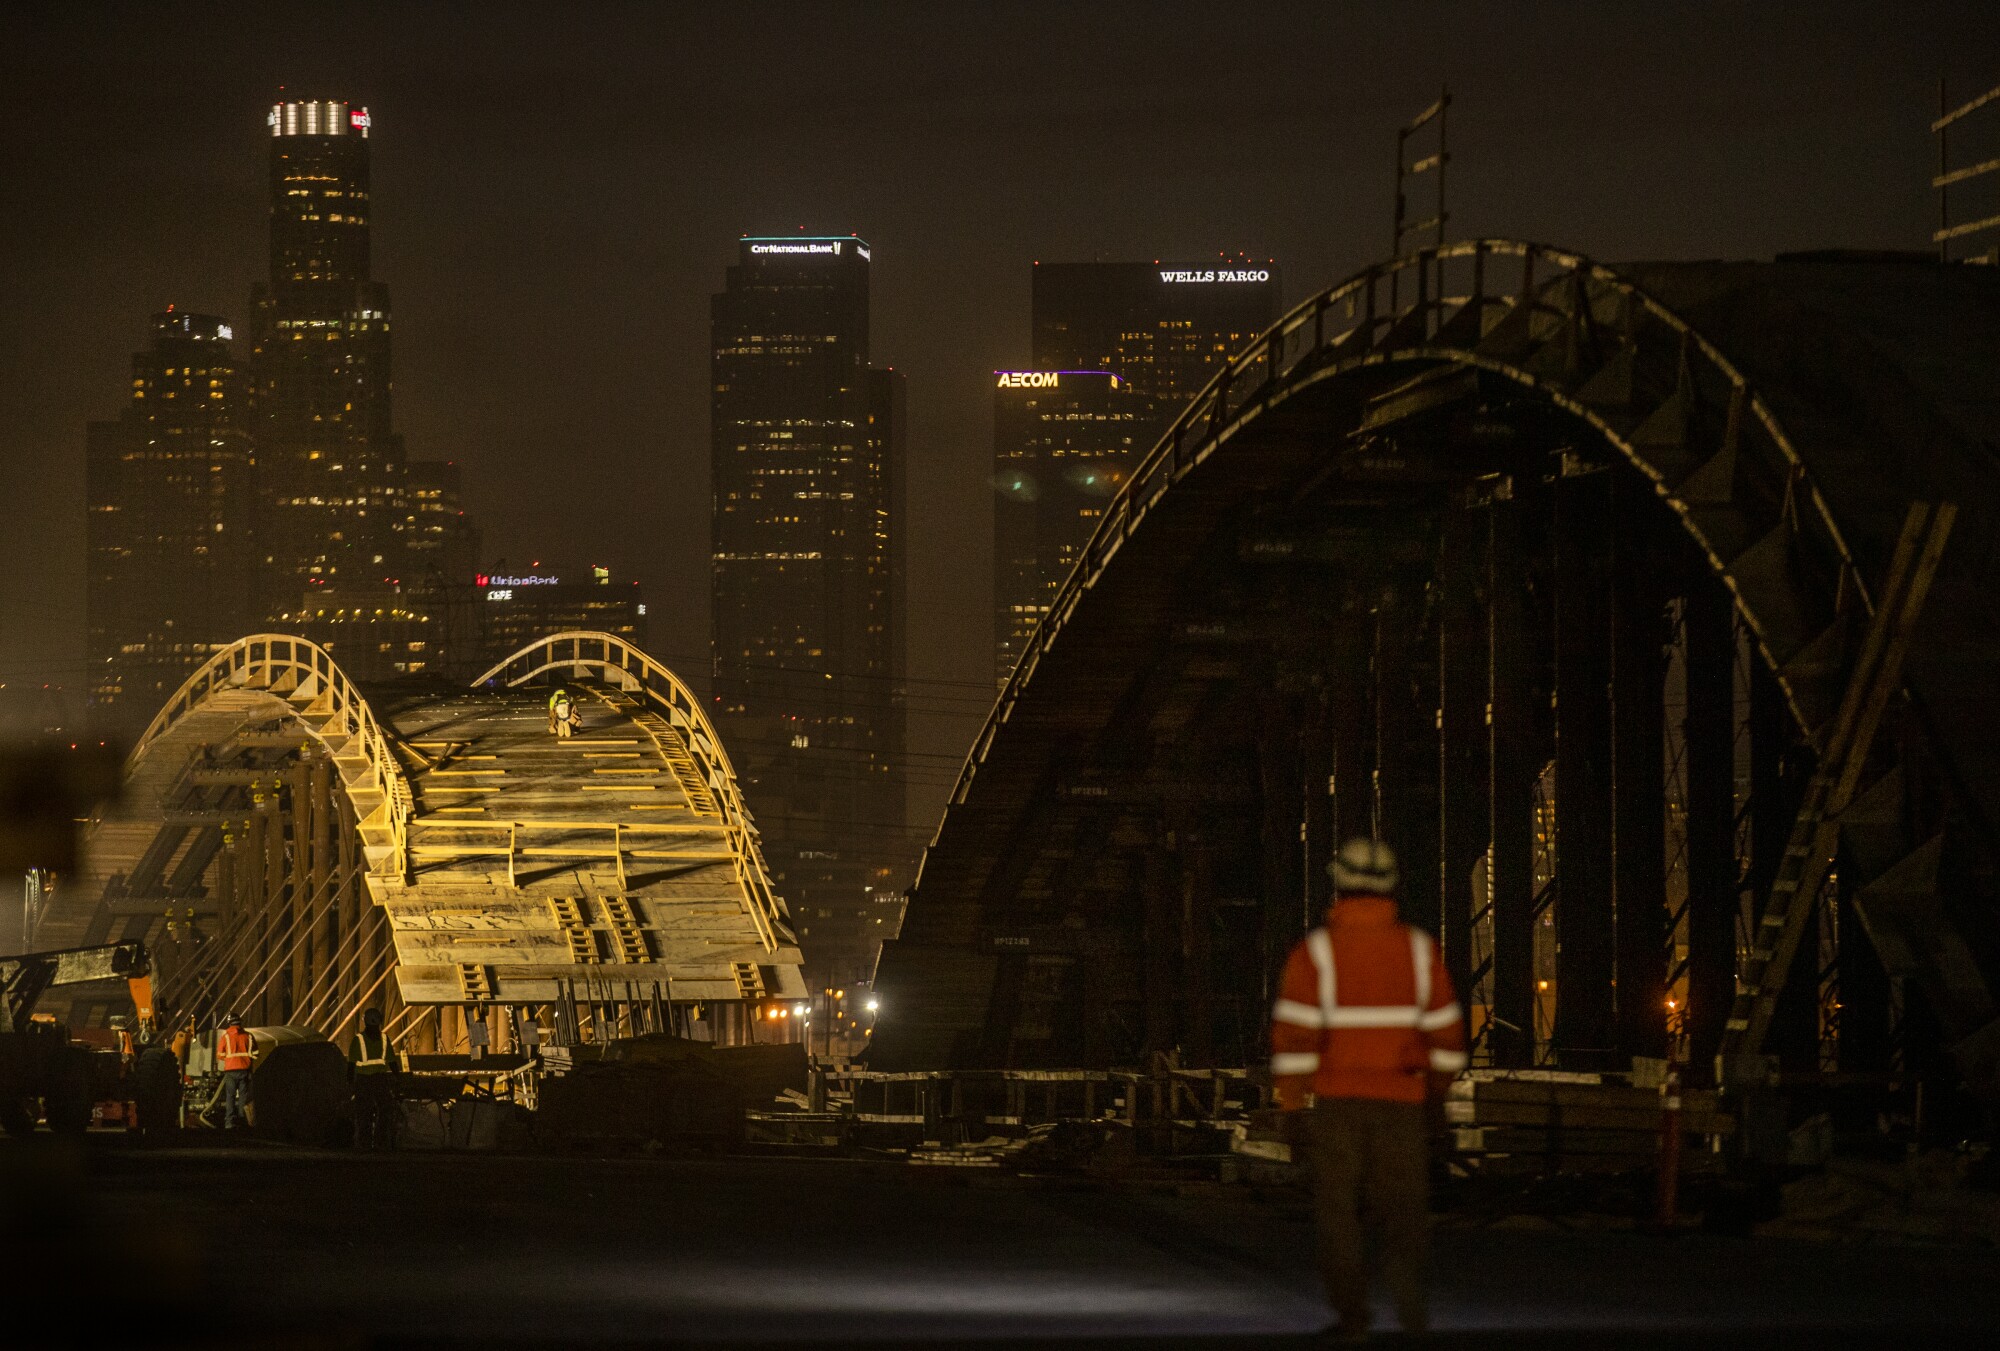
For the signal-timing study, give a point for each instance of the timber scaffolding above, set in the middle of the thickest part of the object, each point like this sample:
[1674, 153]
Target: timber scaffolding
[1496, 1122]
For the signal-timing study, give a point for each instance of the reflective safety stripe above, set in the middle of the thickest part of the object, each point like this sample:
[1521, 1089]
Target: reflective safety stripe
[1297, 1014]
[1319, 945]
[1439, 1019]
[1295, 1062]
[1447, 1062]
[239, 1046]
[381, 1056]
[1420, 961]
[1374, 1015]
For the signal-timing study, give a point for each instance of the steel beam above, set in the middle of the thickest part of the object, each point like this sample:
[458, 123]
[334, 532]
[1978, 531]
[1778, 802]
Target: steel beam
[1639, 842]
[1465, 811]
[1515, 756]
[1585, 915]
[1708, 734]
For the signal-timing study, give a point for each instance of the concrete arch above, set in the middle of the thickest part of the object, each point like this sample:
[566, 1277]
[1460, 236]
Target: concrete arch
[1393, 393]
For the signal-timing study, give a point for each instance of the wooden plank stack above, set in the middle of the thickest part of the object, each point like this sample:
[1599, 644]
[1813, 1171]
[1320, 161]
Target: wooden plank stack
[1551, 1120]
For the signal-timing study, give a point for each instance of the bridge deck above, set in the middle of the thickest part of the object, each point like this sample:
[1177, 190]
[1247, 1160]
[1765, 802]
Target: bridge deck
[535, 860]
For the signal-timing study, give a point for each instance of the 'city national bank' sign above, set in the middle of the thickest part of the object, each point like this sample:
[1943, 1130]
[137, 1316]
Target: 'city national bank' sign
[1252, 274]
[796, 248]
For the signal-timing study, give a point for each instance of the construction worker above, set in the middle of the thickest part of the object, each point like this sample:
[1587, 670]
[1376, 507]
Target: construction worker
[1366, 1027]
[564, 718]
[373, 1065]
[234, 1051]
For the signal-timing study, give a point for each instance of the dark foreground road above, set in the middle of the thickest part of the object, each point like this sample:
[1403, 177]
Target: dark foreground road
[260, 1247]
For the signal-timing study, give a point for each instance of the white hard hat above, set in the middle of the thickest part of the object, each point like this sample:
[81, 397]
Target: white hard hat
[1364, 865]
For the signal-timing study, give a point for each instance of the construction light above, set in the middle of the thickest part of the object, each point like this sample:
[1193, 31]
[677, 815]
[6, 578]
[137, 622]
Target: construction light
[874, 1004]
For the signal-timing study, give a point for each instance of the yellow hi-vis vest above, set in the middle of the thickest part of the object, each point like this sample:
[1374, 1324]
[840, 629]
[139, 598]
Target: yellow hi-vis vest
[375, 1061]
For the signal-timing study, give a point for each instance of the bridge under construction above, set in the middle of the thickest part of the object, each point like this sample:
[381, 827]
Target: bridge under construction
[297, 851]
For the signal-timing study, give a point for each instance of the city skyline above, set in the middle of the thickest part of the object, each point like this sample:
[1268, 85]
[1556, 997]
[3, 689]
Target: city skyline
[578, 405]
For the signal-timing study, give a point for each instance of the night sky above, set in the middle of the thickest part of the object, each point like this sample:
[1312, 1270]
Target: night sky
[558, 188]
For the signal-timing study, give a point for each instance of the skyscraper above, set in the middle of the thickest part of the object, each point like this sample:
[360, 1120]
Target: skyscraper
[1163, 326]
[1063, 445]
[807, 456]
[170, 498]
[343, 531]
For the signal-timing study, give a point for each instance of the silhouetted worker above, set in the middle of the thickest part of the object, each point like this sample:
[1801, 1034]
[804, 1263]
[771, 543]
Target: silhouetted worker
[1365, 1028]
[374, 1065]
[235, 1050]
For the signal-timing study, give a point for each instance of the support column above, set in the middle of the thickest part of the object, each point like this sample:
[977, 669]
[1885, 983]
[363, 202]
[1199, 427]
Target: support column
[1865, 1024]
[1639, 819]
[1585, 916]
[1708, 734]
[1197, 925]
[256, 949]
[304, 901]
[1407, 750]
[1350, 733]
[1161, 932]
[321, 870]
[1464, 819]
[272, 973]
[1515, 762]
[1778, 775]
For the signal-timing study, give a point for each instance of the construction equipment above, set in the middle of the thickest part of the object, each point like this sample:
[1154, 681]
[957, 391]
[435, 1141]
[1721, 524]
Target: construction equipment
[39, 1063]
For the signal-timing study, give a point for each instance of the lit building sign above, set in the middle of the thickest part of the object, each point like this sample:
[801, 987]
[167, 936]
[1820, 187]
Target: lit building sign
[1214, 275]
[500, 593]
[834, 247]
[1043, 379]
[359, 117]
[534, 579]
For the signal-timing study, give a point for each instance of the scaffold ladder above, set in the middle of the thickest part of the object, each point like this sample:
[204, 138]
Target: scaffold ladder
[1816, 830]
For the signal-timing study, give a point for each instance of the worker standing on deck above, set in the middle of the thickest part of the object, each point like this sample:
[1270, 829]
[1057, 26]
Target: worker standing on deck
[1365, 1028]
[234, 1049]
[374, 1064]
[563, 715]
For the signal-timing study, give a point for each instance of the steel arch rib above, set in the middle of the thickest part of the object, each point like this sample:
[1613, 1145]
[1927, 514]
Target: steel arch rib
[1301, 351]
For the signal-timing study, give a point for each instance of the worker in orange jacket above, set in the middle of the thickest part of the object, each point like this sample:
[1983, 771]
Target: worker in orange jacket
[1366, 1027]
[234, 1051]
